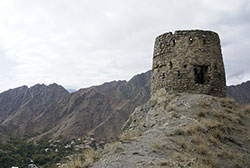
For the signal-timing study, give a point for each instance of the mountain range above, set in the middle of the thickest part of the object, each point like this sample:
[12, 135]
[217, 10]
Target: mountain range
[51, 112]
[241, 92]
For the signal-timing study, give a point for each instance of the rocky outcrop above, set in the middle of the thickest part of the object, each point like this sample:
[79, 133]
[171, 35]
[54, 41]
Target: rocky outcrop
[182, 130]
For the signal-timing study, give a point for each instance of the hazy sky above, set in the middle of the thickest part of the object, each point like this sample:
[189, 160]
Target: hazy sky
[79, 43]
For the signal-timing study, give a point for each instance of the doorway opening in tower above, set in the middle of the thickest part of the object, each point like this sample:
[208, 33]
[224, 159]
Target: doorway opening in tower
[200, 74]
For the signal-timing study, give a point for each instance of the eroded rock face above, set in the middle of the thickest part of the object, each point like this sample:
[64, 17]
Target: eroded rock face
[189, 61]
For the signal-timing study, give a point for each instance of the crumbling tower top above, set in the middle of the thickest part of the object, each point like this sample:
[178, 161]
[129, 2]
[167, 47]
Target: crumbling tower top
[189, 61]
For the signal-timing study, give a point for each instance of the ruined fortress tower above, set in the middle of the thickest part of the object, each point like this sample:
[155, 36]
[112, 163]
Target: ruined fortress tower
[189, 61]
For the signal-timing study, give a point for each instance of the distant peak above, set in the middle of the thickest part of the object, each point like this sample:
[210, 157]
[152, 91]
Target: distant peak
[37, 85]
[24, 86]
[54, 84]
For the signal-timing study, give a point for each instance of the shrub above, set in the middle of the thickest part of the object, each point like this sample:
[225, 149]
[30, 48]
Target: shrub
[196, 139]
[179, 131]
[202, 149]
[114, 146]
[89, 156]
[213, 140]
[156, 145]
[203, 103]
[246, 108]
[202, 112]
[175, 114]
[81, 161]
[209, 123]
[76, 162]
[218, 134]
[131, 135]
[183, 143]
[193, 128]
[178, 156]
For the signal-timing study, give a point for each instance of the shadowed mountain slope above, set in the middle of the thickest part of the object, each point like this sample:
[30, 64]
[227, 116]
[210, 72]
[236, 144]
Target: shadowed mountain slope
[101, 109]
[21, 105]
[241, 92]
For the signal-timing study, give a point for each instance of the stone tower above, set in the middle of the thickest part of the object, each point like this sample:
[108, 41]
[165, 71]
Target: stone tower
[189, 61]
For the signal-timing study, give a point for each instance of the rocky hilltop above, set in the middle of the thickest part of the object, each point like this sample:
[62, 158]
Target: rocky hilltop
[182, 130]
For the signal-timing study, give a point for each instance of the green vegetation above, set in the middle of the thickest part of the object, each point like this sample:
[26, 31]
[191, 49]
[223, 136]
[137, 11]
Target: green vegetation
[18, 152]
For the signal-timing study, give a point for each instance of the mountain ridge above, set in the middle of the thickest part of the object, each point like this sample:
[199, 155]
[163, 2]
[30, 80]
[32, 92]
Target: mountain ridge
[51, 111]
[240, 92]
[25, 104]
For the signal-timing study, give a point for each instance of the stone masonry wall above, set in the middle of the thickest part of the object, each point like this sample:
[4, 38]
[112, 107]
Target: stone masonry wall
[189, 61]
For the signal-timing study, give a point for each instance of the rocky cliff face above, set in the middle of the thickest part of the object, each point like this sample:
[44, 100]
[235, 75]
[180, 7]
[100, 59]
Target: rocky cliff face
[11, 101]
[241, 93]
[182, 130]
